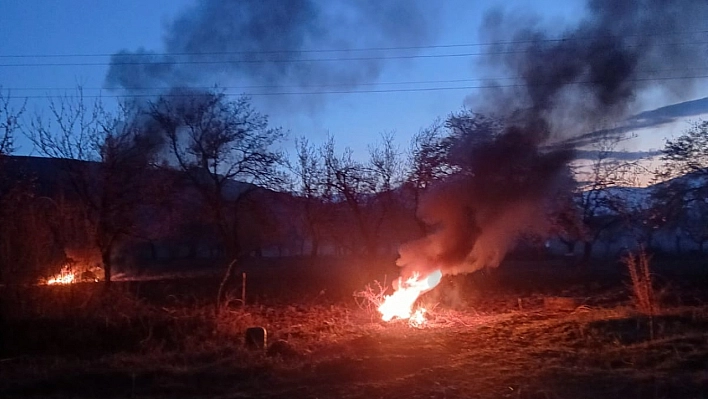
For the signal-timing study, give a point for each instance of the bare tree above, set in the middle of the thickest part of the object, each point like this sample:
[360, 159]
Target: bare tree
[446, 148]
[224, 148]
[311, 188]
[695, 223]
[24, 226]
[468, 132]
[105, 159]
[27, 223]
[340, 191]
[565, 216]
[351, 181]
[647, 217]
[386, 164]
[682, 186]
[387, 209]
[427, 163]
[9, 123]
[687, 154]
[600, 194]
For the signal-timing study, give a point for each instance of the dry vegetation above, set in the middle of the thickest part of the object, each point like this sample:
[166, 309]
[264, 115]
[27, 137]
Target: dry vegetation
[487, 336]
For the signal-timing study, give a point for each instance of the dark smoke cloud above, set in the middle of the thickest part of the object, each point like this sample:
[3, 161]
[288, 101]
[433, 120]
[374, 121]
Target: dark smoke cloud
[594, 75]
[499, 193]
[619, 49]
[256, 39]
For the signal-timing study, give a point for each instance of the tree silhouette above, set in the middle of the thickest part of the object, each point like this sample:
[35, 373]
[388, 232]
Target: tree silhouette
[104, 158]
[683, 188]
[224, 148]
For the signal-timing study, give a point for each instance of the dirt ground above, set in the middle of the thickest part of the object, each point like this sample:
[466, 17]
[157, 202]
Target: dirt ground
[589, 353]
[502, 345]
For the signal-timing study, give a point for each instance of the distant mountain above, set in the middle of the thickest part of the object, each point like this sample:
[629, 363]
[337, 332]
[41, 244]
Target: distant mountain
[47, 173]
[640, 197]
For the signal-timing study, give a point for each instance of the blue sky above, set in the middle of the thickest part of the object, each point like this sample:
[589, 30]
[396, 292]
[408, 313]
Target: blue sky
[103, 27]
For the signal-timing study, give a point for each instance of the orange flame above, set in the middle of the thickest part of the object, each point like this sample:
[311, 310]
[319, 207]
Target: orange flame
[62, 278]
[418, 318]
[400, 303]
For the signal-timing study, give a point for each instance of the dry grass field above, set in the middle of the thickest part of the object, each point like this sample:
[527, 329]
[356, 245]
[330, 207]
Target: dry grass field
[522, 332]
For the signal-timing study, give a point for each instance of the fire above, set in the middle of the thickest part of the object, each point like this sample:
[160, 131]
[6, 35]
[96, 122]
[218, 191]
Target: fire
[418, 318]
[400, 303]
[65, 277]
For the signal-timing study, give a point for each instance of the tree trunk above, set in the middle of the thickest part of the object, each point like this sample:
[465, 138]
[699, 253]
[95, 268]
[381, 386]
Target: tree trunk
[315, 248]
[370, 246]
[650, 240]
[587, 253]
[107, 265]
[153, 251]
[192, 251]
[569, 246]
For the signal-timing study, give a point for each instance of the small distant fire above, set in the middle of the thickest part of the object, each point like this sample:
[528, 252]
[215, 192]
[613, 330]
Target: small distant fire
[72, 273]
[400, 303]
[66, 276]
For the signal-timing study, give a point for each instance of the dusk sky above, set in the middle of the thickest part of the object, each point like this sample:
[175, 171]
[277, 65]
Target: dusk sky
[426, 67]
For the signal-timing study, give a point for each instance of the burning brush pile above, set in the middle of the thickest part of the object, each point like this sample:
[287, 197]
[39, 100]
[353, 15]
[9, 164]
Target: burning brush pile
[505, 170]
[475, 216]
[65, 276]
[72, 275]
[400, 304]
[80, 266]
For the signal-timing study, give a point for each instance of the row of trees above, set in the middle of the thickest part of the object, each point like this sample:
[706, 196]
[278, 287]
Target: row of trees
[203, 169]
[681, 198]
[137, 173]
[609, 206]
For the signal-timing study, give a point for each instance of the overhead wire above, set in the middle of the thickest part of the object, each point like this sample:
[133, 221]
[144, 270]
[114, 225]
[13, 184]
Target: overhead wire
[301, 60]
[370, 91]
[360, 49]
[279, 88]
[323, 85]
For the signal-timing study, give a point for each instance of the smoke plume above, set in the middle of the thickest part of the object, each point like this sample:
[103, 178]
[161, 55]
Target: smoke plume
[499, 193]
[593, 73]
[562, 88]
[264, 43]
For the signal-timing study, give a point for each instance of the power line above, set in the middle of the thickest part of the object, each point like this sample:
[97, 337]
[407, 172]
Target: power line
[372, 91]
[264, 86]
[249, 87]
[304, 60]
[360, 49]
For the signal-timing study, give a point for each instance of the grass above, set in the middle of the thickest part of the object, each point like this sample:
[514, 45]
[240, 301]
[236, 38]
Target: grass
[643, 294]
[163, 339]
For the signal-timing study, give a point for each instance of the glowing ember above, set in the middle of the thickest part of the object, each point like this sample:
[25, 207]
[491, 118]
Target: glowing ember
[400, 304]
[62, 278]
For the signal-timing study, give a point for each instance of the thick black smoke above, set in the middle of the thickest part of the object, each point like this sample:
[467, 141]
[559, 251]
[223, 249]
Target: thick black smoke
[499, 192]
[256, 42]
[591, 75]
[561, 88]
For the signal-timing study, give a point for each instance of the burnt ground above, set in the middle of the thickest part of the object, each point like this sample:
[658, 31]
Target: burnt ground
[488, 343]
